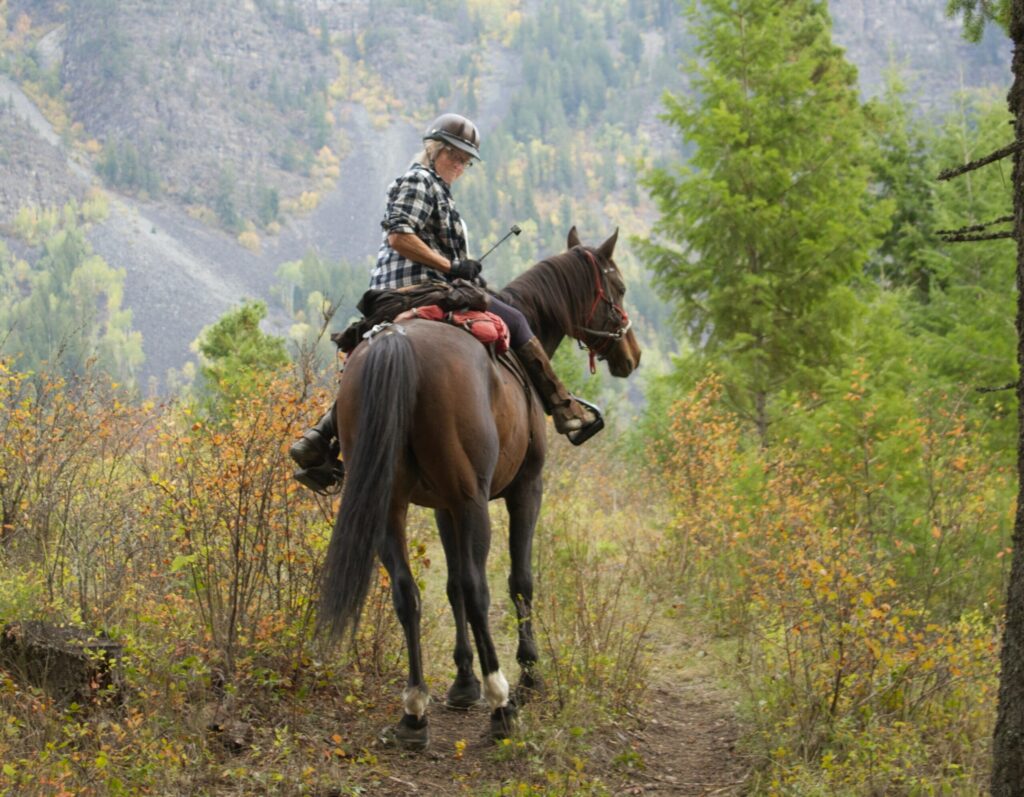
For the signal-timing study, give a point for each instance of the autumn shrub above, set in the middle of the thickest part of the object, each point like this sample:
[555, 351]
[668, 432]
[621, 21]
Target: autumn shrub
[183, 536]
[865, 671]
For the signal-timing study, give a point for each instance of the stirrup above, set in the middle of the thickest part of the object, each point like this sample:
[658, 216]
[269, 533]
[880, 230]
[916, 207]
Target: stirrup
[325, 479]
[580, 436]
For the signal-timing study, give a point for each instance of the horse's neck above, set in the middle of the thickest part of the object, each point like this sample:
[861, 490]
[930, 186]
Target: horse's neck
[549, 339]
[545, 310]
[547, 329]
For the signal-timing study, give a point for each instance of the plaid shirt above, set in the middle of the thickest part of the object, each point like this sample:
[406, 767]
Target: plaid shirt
[419, 202]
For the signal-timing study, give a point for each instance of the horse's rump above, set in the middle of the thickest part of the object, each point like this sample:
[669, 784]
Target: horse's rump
[471, 418]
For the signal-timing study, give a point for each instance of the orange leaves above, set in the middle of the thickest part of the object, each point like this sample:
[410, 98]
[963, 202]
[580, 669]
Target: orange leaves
[855, 573]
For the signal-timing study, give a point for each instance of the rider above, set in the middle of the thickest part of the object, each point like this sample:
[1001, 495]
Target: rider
[425, 239]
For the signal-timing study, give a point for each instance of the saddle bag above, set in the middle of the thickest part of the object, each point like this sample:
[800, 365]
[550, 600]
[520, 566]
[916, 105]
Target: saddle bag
[486, 327]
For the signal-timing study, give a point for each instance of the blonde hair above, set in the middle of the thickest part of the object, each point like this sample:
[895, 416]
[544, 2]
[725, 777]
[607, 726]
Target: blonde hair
[427, 155]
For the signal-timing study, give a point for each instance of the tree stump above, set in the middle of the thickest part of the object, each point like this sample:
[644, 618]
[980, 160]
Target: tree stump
[69, 663]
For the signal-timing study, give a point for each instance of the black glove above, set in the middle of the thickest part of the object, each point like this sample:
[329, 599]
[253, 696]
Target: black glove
[466, 269]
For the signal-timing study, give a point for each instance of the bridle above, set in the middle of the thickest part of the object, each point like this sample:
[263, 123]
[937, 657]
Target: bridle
[607, 338]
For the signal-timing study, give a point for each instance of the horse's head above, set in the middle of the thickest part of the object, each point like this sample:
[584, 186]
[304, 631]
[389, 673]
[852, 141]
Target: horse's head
[605, 328]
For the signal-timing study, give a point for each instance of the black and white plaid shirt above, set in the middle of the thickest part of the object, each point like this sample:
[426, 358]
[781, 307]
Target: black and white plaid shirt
[419, 202]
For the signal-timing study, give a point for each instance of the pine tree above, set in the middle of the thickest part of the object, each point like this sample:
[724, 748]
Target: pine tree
[1008, 739]
[762, 232]
[236, 355]
[903, 163]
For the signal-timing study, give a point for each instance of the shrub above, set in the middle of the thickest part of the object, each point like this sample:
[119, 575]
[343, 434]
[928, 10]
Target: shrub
[857, 679]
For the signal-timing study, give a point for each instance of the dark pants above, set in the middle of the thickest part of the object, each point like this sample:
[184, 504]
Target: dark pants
[518, 329]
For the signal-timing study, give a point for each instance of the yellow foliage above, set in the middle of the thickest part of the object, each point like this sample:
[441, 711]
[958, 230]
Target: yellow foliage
[845, 656]
[95, 207]
[202, 213]
[249, 239]
[308, 201]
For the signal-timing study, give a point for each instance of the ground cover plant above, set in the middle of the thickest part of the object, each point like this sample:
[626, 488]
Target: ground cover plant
[176, 529]
[866, 650]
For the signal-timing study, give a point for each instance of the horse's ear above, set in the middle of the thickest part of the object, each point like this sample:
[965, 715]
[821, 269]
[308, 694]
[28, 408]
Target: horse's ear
[606, 249]
[574, 238]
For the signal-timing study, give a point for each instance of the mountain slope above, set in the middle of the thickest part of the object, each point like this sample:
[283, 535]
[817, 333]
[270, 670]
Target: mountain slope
[206, 120]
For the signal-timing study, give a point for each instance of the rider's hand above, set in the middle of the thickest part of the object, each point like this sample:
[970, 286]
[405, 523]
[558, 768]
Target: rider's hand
[466, 269]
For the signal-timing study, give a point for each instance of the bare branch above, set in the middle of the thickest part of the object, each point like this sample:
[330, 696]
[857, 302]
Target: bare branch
[1010, 386]
[999, 154]
[976, 227]
[962, 239]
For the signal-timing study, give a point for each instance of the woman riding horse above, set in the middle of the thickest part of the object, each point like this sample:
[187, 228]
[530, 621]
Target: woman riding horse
[428, 416]
[425, 239]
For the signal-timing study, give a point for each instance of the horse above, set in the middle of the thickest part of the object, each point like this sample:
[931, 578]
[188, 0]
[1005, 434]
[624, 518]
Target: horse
[428, 417]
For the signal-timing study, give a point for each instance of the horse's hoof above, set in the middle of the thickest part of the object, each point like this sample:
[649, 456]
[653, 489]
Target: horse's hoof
[409, 734]
[530, 687]
[504, 721]
[463, 694]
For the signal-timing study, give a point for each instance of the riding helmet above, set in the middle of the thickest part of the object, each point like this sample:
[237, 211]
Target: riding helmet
[455, 130]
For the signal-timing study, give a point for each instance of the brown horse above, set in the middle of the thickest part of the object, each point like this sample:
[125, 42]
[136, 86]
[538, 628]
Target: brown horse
[429, 418]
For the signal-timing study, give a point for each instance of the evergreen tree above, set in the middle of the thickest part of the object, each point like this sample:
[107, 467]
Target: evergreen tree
[964, 331]
[236, 355]
[904, 169]
[762, 232]
[977, 12]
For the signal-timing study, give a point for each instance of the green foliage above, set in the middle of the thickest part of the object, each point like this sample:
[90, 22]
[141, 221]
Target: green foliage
[766, 226]
[904, 163]
[859, 571]
[977, 13]
[65, 307]
[122, 166]
[965, 330]
[236, 356]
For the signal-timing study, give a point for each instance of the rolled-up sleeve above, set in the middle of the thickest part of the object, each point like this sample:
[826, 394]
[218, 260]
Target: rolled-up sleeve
[409, 206]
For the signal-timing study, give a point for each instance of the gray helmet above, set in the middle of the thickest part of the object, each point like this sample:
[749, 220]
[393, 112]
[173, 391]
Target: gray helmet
[455, 130]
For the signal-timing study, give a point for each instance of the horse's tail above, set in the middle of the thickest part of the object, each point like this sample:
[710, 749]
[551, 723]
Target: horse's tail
[388, 394]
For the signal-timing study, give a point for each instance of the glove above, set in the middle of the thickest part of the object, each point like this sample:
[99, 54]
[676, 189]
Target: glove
[466, 269]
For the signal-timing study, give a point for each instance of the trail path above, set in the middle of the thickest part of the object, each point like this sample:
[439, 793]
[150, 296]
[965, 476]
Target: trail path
[682, 743]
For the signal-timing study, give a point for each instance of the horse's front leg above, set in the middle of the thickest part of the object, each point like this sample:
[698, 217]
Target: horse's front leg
[523, 504]
[411, 732]
[465, 691]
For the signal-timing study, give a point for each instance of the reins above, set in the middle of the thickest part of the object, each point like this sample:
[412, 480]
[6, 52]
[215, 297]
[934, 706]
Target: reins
[608, 338]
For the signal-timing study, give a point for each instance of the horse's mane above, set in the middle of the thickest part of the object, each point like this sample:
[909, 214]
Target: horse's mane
[552, 293]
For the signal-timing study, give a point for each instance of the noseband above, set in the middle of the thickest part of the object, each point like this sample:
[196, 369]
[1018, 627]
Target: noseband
[607, 338]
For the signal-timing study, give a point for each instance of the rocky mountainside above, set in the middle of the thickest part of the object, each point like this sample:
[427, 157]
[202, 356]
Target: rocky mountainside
[234, 136]
[916, 37]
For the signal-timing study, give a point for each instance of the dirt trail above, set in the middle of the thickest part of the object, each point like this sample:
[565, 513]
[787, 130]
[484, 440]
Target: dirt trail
[683, 742]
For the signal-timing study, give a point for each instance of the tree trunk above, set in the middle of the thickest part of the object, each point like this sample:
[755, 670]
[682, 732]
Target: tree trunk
[1008, 743]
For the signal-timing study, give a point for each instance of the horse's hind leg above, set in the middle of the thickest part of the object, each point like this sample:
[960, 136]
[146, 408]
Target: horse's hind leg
[411, 732]
[523, 504]
[473, 539]
[465, 691]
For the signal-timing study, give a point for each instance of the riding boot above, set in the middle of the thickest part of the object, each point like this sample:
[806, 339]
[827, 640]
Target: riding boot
[316, 454]
[565, 410]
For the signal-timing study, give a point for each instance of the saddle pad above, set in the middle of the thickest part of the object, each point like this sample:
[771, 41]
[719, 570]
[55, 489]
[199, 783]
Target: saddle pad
[485, 327]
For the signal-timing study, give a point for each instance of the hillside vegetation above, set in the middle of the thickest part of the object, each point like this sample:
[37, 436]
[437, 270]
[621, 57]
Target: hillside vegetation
[253, 115]
[810, 493]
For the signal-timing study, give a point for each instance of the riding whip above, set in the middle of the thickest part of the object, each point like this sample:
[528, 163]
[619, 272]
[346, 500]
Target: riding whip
[514, 230]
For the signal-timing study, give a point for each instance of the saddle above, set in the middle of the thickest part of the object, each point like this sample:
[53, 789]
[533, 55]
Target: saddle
[382, 306]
